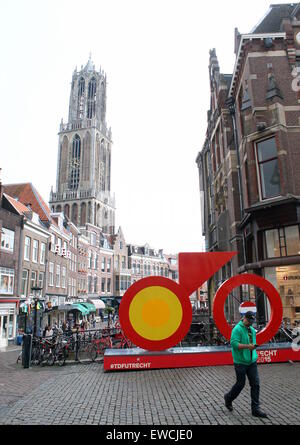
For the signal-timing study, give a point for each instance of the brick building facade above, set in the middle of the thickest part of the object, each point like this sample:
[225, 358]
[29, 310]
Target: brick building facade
[253, 170]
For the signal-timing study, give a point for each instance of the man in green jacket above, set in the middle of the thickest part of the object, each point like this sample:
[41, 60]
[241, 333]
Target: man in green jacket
[243, 343]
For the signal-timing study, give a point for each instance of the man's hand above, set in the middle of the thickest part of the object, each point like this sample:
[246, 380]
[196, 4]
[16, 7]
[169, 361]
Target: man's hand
[251, 347]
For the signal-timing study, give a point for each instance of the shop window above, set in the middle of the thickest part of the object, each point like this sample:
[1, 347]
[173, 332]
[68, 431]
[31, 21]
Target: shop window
[268, 170]
[7, 277]
[7, 239]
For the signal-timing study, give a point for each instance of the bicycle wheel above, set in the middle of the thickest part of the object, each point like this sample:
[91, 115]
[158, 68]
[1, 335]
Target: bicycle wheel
[51, 359]
[92, 352]
[61, 357]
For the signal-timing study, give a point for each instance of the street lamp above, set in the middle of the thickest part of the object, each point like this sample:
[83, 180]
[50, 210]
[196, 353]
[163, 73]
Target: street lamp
[35, 289]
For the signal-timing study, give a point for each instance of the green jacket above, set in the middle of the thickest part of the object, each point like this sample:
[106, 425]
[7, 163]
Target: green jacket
[239, 335]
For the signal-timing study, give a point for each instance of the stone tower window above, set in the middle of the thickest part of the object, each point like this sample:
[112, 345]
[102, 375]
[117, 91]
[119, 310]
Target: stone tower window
[91, 105]
[81, 89]
[75, 163]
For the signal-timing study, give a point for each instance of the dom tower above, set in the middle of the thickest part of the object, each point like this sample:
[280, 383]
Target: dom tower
[84, 155]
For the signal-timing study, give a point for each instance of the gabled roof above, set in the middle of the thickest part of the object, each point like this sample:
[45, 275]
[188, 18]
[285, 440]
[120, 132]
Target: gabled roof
[18, 206]
[28, 195]
[272, 21]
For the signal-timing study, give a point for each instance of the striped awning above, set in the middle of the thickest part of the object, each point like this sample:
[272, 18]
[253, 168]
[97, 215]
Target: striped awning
[99, 304]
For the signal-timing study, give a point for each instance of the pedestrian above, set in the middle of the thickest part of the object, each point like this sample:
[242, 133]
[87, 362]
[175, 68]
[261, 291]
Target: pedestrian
[94, 322]
[101, 315]
[243, 344]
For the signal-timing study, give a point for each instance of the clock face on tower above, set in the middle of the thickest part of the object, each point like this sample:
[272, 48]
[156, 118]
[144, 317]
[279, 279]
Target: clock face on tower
[297, 38]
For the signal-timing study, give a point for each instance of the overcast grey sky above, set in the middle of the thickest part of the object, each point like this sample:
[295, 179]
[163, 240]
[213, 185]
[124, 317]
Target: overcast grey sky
[155, 54]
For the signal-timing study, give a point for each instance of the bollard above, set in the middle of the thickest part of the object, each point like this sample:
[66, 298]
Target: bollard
[26, 350]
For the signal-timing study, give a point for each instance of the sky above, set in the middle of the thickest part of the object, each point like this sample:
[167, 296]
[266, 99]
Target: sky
[155, 54]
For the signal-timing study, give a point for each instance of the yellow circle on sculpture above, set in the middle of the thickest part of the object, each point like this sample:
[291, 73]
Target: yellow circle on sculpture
[155, 313]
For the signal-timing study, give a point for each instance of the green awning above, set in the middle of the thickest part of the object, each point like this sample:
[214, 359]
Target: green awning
[89, 306]
[81, 308]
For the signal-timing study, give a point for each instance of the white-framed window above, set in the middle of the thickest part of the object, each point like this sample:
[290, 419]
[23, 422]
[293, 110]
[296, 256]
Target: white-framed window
[32, 280]
[52, 242]
[24, 283]
[27, 248]
[90, 260]
[35, 251]
[7, 239]
[41, 279]
[63, 277]
[108, 266]
[51, 274]
[123, 262]
[103, 264]
[43, 253]
[7, 278]
[57, 280]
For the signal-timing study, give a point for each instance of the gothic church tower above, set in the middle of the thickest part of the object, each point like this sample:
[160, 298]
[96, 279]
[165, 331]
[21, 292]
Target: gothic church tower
[84, 155]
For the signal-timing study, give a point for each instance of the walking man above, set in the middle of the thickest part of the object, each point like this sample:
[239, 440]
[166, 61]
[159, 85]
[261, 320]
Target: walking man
[243, 343]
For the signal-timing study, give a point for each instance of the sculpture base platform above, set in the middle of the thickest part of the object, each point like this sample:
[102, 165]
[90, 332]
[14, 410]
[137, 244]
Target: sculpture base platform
[139, 359]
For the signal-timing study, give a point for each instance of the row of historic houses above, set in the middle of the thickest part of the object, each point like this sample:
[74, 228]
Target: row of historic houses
[250, 163]
[52, 270]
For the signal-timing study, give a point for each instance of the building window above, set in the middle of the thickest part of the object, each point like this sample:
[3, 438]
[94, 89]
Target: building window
[93, 238]
[123, 262]
[282, 242]
[24, 283]
[57, 281]
[51, 274]
[6, 281]
[138, 268]
[32, 280]
[267, 160]
[90, 260]
[89, 284]
[35, 251]
[108, 265]
[95, 285]
[103, 265]
[43, 253]
[108, 285]
[117, 281]
[7, 239]
[63, 277]
[103, 285]
[41, 279]
[27, 248]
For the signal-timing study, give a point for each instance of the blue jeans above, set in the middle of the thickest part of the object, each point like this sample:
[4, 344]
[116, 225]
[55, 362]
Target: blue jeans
[241, 372]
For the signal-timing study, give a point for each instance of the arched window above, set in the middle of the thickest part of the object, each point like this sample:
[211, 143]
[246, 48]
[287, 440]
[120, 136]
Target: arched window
[75, 163]
[91, 105]
[81, 89]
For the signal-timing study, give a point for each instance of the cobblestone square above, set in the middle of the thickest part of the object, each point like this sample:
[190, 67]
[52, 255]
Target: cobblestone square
[83, 394]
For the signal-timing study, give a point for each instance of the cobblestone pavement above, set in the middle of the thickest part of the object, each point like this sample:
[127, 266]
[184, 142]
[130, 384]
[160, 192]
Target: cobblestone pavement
[84, 394]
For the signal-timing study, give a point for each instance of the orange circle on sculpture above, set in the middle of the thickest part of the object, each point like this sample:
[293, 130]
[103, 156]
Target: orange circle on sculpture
[155, 312]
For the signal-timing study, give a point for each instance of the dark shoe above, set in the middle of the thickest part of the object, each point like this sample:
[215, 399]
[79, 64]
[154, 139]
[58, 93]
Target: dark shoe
[260, 414]
[228, 404]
